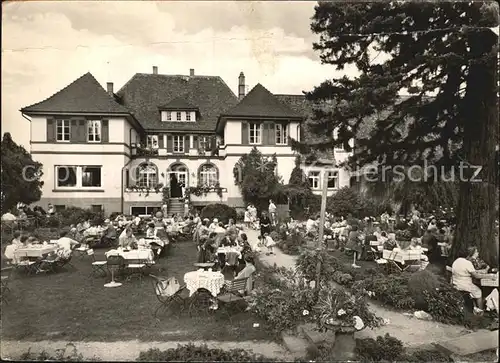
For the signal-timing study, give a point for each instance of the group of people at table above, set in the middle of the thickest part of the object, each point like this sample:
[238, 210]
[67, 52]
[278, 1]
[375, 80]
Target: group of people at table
[467, 271]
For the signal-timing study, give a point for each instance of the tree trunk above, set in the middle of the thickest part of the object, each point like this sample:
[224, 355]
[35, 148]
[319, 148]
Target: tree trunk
[476, 208]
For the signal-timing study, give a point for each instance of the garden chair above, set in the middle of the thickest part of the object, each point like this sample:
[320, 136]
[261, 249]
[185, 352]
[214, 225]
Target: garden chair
[28, 266]
[81, 250]
[98, 267]
[114, 263]
[136, 269]
[6, 276]
[168, 291]
[233, 295]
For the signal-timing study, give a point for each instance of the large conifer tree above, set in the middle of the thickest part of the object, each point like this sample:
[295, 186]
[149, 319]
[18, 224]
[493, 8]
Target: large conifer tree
[443, 55]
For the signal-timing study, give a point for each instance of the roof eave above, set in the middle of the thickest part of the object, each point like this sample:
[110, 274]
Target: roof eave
[263, 117]
[178, 108]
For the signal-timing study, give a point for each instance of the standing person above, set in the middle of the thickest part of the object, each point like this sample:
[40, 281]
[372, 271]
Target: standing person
[265, 225]
[253, 213]
[248, 218]
[164, 209]
[272, 212]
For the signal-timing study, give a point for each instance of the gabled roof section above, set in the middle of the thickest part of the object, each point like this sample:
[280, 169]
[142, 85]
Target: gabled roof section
[178, 104]
[259, 102]
[144, 94]
[84, 95]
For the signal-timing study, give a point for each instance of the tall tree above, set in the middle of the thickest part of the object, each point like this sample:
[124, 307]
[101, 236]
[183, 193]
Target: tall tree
[444, 56]
[298, 190]
[20, 175]
[255, 175]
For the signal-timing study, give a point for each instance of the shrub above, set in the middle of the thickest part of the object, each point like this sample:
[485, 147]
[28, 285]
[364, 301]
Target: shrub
[240, 216]
[418, 283]
[403, 235]
[282, 300]
[220, 211]
[391, 290]
[342, 278]
[193, 353]
[308, 260]
[292, 243]
[386, 348]
[445, 305]
[75, 215]
[427, 356]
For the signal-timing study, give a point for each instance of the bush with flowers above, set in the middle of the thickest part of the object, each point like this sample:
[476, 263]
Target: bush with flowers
[308, 260]
[339, 310]
[287, 301]
[284, 301]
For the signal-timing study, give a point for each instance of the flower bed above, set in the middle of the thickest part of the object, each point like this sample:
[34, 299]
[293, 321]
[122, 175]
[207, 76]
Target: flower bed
[193, 353]
[406, 291]
[287, 300]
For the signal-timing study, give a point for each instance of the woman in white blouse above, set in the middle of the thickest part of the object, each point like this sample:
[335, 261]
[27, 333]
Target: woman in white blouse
[462, 273]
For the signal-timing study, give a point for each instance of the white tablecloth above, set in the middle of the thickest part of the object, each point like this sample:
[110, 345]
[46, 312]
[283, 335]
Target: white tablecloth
[225, 250]
[402, 255]
[148, 241]
[35, 251]
[141, 254]
[212, 281]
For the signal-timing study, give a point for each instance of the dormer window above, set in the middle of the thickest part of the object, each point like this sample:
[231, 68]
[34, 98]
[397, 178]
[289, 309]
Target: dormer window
[169, 116]
[188, 116]
[179, 116]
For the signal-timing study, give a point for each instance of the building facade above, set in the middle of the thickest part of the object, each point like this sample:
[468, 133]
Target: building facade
[117, 151]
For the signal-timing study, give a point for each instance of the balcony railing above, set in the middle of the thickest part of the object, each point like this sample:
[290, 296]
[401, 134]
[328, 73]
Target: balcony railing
[139, 151]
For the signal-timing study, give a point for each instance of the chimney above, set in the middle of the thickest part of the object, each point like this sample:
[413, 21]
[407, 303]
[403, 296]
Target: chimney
[191, 72]
[155, 70]
[109, 86]
[241, 86]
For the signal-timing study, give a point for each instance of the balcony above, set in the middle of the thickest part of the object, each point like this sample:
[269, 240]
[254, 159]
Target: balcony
[141, 194]
[138, 151]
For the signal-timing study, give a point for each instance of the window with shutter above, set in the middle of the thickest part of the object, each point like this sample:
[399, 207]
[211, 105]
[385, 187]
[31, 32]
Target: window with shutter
[94, 130]
[63, 130]
[255, 133]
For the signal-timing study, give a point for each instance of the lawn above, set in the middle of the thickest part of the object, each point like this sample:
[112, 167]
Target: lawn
[70, 305]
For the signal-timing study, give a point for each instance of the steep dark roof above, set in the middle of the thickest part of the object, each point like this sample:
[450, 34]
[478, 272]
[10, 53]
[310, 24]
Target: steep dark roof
[259, 102]
[145, 93]
[178, 103]
[83, 95]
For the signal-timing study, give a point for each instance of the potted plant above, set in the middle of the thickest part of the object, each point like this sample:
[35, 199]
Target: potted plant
[343, 313]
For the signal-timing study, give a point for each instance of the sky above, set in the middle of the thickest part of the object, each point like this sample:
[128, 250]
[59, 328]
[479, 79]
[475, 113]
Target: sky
[47, 45]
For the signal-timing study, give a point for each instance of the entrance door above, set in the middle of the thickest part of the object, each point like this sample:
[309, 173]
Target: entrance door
[178, 175]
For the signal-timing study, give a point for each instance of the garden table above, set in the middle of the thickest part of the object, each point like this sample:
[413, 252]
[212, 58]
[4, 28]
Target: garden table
[402, 256]
[226, 250]
[490, 280]
[148, 241]
[35, 251]
[210, 281]
[141, 255]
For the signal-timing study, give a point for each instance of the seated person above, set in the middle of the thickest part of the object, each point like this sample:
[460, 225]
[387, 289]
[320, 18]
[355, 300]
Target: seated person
[109, 233]
[151, 231]
[33, 240]
[10, 250]
[478, 263]
[391, 242]
[24, 241]
[16, 241]
[462, 272]
[127, 240]
[247, 271]
[65, 245]
[214, 224]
